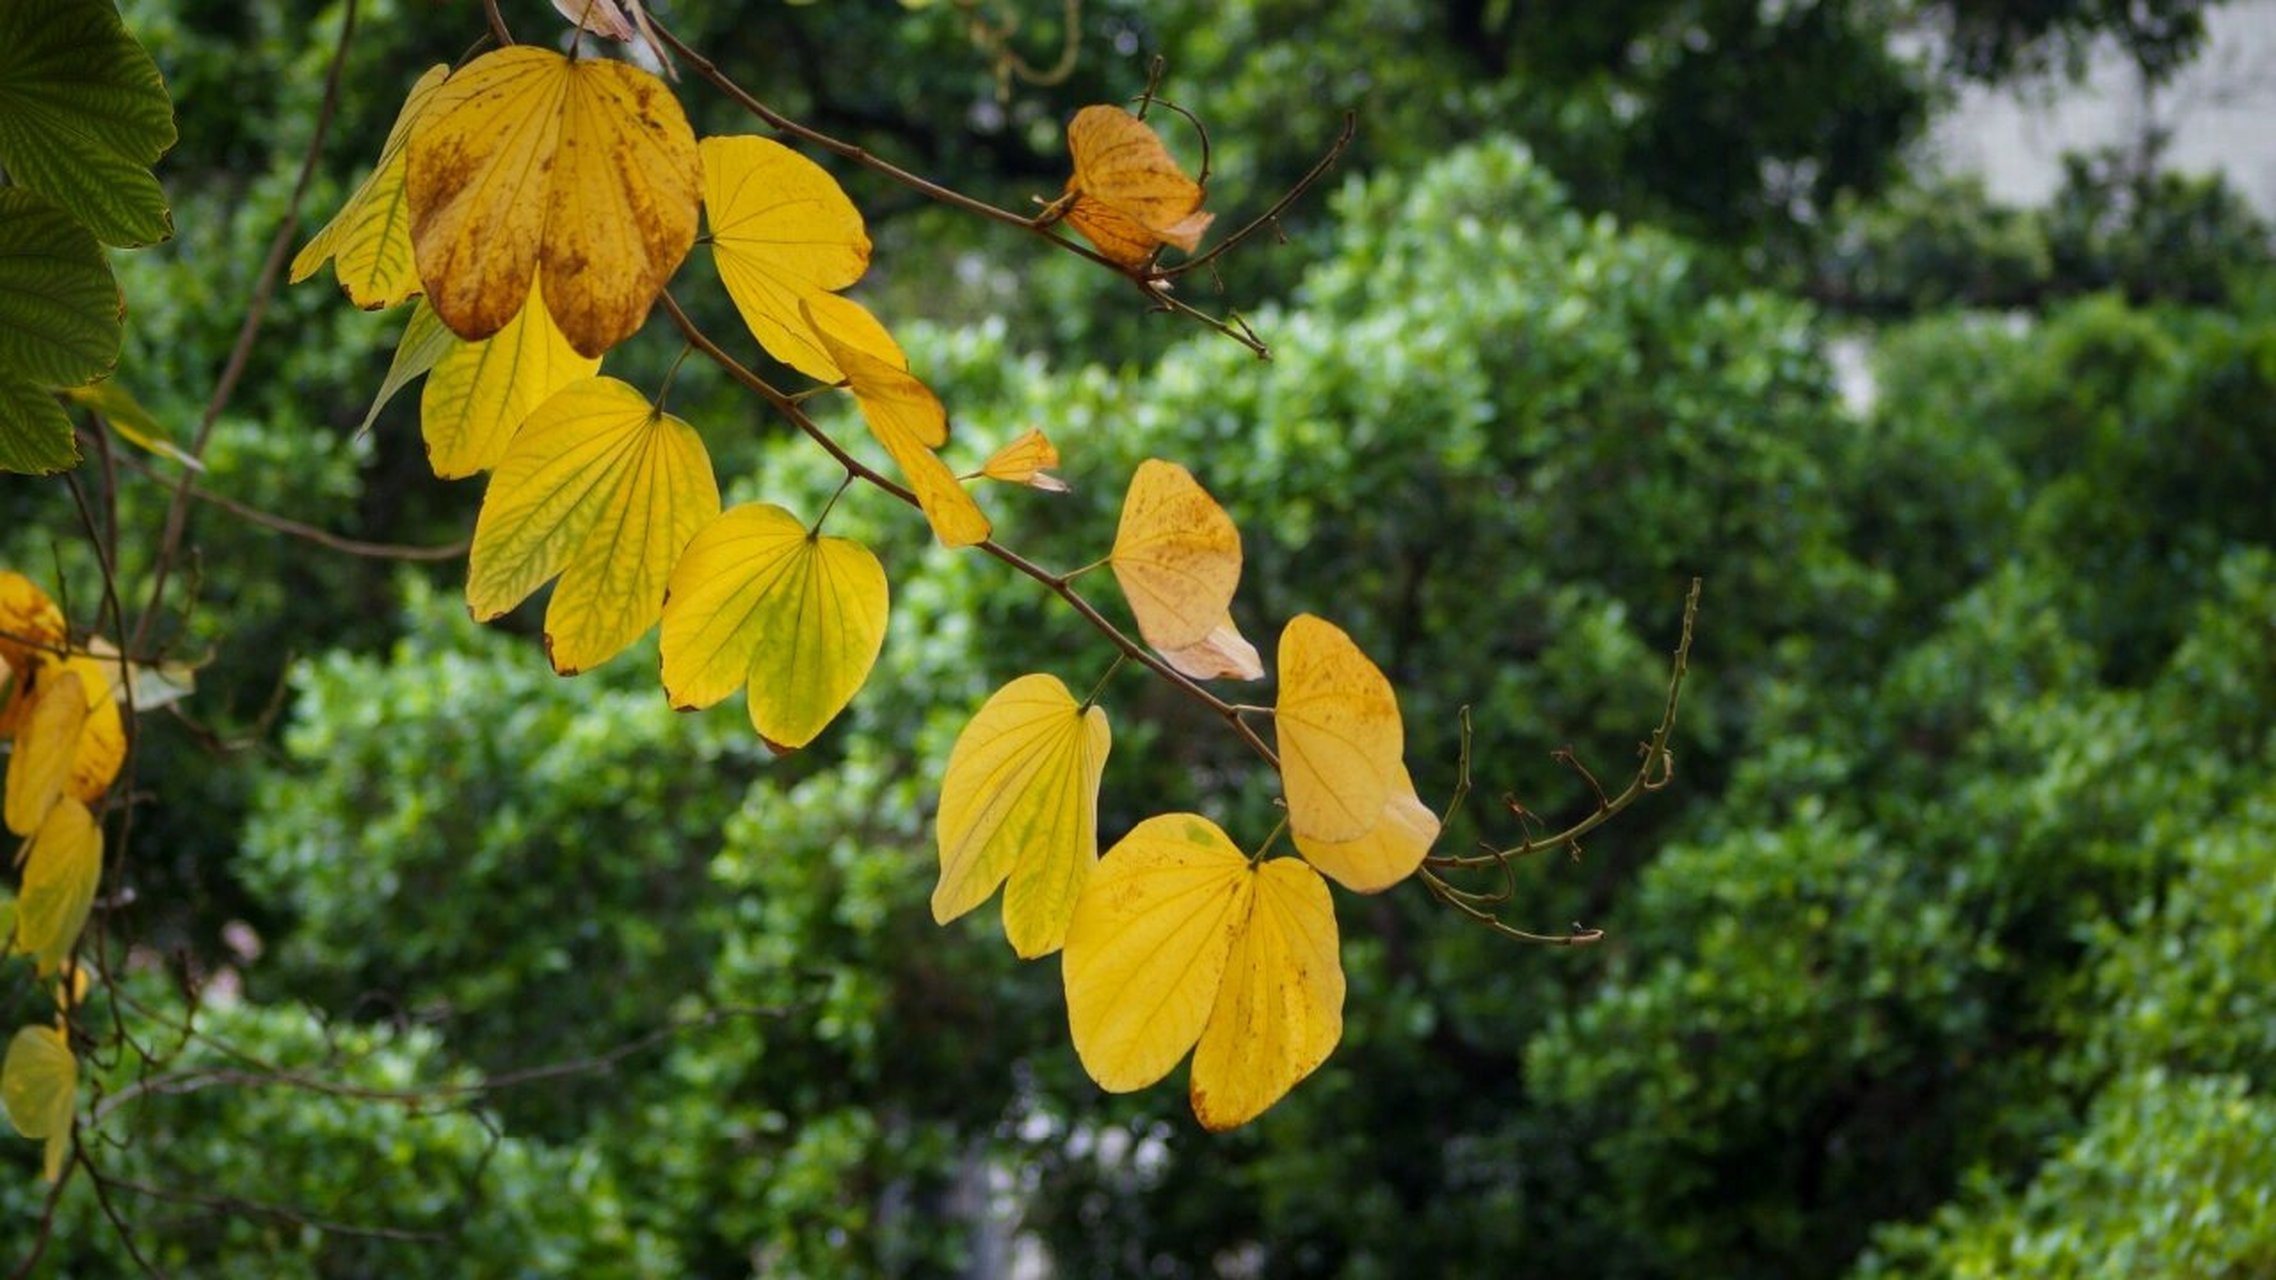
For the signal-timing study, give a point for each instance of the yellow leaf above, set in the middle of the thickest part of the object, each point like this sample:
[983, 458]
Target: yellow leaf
[1279, 1013]
[39, 1082]
[46, 744]
[480, 393]
[581, 173]
[1341, 741]
[1026, 460]
[425, 341]
[908, 420]
[368, 241]
[1131, 196]
[1147, 949]
[126, 416]
[785, 234]
[1223, 654]
[102, 743]
[1178, 558]
[604, 490]
[758, 600]
[31, 627]
[1020, 800]
[61, 869]
[1387, 853]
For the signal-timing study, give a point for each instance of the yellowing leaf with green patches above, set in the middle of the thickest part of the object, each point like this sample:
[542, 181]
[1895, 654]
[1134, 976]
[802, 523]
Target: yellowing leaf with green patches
[1279, 1012]
[47, 741]
[130, 420]
[62, 865]
[1341, 742]
[368, 242]
[784, 234]
[580, 173]
[1026, 460]
[604, 490]
[1388, 853]
[39, 1081]
[1178, 558]
[1147, 948]
[908, 420]
[758, 600]
[1020, 801]
[1180, 939]
[480, 393]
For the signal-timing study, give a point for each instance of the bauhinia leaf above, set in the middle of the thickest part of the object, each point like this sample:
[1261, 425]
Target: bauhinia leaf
[1026, 460]
[83, 116]
[102, 742]
[47, 741]
[758, 600]
[425, 341]
[1341, 742]
[785, 235]
[580, 173]
[1180, 939]
[39, 1089]
[62, 865]
[1388, 853]
[1020, 801]
[604, 490]
[1130, 196]
[480, 393]
[130, 420]
[31, 627]
[1178, 558]
[908, 420]
[368, 242]
[59, 327]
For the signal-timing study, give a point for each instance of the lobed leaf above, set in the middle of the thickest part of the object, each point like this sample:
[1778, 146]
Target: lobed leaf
[83, 116]
[758, 600]
[1020, 802]
[39, 1082]
[368, 242]
[1338, 726]
[582, 174]
[425, 341]
[59, 327]
[604, 490]
[1279, 1012]
[1389, 851]
[785, 238]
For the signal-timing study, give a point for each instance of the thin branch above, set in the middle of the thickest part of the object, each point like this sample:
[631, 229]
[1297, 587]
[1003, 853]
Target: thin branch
[1279, 207]
[311, 533]
[242, 1207]
[178, 510]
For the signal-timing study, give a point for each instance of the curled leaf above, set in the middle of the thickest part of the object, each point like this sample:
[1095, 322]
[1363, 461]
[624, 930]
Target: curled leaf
[1130, 196]
[1026, 460]
[757, 600]
[908, 420]
[1178, 558]
[580, 173]
[1020, 802]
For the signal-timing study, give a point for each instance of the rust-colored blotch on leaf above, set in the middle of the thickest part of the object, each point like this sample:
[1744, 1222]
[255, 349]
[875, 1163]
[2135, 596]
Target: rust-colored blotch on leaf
[583, 173]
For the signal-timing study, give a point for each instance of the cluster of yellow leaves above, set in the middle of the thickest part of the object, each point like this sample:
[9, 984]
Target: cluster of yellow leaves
[68, 740]
[1176, 940]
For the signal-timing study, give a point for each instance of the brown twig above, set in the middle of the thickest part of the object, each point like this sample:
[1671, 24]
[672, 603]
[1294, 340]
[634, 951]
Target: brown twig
[310, 533]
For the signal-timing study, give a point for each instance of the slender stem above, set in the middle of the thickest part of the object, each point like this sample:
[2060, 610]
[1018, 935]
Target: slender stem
[664, 392]
[1100, 687]
[1270, 840]
[497, 20]
[843, 485]
[1058, 584]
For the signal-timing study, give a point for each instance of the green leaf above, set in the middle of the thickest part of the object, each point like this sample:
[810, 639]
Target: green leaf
[424, 343]
[83, 115]
[59, 327]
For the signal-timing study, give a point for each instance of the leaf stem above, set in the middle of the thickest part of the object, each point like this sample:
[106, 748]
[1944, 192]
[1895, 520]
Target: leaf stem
[815, 530]
[1100, 687]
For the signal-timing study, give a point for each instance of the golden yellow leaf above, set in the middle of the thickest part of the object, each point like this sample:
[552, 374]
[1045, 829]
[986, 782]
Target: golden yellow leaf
[1178, 558]
[1026, 460]
[368, 242]
[785, 234]
[908, 420]
[1020, 800]
[1223, 654]
[39, 1082]
[1131, 197]
[1387, 853]
[1178, 940]
[46, 744]
[605, 490]
[31, 627]
[480, 393]
[1341, 742]
[1279, 1013]
[102, 742]
[1147, 948]
[758, 600]
[61, 869]
[581, 173]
